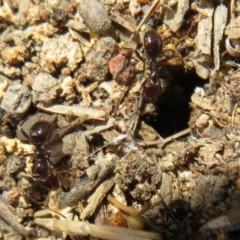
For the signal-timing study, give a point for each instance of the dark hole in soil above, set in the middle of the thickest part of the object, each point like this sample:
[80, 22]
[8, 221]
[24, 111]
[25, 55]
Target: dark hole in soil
[173, 110]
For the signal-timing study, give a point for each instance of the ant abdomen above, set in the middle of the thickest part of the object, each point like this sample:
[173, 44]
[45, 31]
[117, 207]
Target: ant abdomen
[51, 182]
[151, 89]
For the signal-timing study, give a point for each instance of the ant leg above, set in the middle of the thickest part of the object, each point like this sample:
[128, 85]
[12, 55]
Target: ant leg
[63, 130]
[173, 53]
[135, 117]
[26, 155]
[23, 132]
[138, 55]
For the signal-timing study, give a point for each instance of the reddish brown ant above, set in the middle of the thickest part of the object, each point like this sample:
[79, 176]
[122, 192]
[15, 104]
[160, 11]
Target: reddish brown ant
[159, 78]
[155, 85]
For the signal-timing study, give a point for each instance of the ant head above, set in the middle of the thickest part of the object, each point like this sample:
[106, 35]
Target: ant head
[40, 132]
[180, 208]
[153, 43]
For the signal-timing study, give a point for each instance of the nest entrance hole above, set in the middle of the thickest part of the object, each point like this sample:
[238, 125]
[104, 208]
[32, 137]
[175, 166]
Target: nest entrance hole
[173, 109]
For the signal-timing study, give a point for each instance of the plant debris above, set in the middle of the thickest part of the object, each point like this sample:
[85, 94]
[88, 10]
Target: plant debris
[119, 119]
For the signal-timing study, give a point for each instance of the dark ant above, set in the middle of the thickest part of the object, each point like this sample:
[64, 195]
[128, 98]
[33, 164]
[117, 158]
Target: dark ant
[180, 209]
[41, 135]
[154, 86]
[184, 221]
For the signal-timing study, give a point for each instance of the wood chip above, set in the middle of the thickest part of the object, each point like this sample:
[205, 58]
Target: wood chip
[96, 198]
[75, 110]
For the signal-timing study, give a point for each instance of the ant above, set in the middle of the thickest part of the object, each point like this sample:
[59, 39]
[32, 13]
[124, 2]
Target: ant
[41, 135]
[158, 81]
[184, 222]
[154, 86]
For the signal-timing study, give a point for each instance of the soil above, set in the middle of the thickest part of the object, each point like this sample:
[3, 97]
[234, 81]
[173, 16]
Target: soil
[139, 151]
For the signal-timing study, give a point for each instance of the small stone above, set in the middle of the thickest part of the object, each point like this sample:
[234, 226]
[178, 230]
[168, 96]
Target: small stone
[238, 183]
[60, 51]
[120, 66]
[14, 165]
[12, 196]
[94, 16]
[96, 66]
[202, 121]
[16, 100]
[45, 88]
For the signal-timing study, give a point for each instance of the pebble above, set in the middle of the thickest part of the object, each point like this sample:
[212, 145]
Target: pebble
[202, 120]
[120, 66]
[45, 88]
[96, 66]
[15, 164]
[61, 51]
[16, 100]
[94, 16]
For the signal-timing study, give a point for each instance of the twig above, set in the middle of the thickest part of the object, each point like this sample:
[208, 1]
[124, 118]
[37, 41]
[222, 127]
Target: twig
[96, 198]
[75, 110]
[193, 23]
[166, 140]
[233, 113]
[99, 231]
[122, 207]
[149, 13]
[8, 216]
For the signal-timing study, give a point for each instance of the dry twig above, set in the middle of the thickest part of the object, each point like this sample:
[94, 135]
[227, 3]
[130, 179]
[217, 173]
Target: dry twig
[8, 216]
[99, 231]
